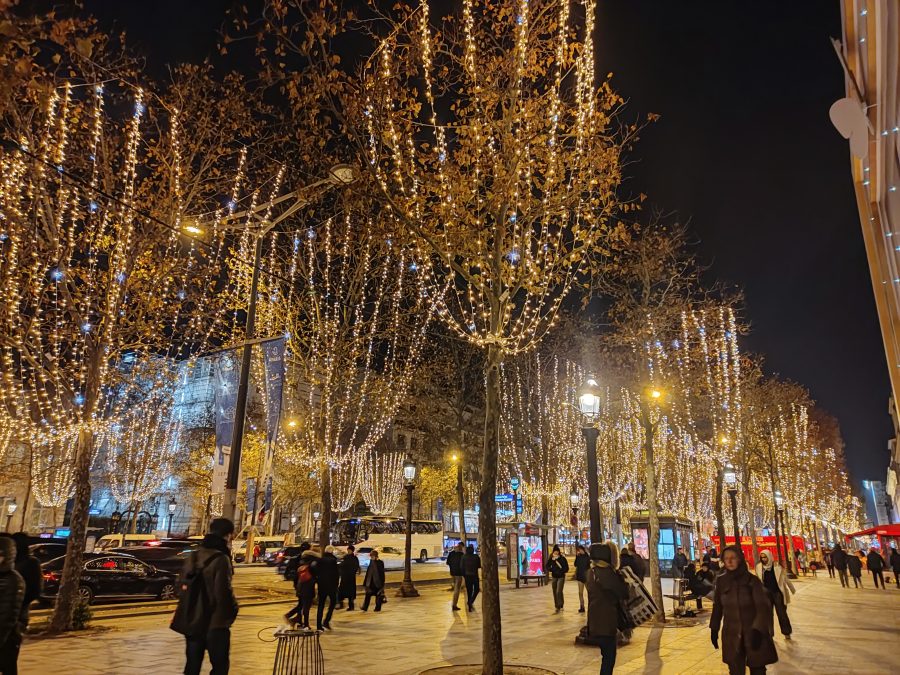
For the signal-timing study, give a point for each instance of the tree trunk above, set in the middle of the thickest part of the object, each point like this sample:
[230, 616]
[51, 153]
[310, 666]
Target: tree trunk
[653, 511]
[748, 507]
[25, 506]
[67, 597]
[325, 522]
[492, 645]
[720, 511]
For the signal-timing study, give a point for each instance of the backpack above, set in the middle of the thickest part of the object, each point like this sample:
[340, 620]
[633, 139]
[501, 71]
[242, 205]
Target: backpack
[194, 610]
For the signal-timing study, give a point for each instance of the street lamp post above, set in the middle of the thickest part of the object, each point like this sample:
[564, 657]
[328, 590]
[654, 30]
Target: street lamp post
[407, 589]
[574, 500]
[589, 404]
[514, 484]
[316, 516]
[10, 510]
[779, 526]
[172, 506]
[730, 480]
[338, 175]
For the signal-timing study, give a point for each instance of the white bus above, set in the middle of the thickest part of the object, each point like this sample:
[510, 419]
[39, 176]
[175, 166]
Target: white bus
[427, 535]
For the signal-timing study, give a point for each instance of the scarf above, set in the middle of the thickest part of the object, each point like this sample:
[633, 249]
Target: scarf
[216, 543]
[768, 566]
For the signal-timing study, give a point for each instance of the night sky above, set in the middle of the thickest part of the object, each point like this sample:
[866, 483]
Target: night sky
[744, 148]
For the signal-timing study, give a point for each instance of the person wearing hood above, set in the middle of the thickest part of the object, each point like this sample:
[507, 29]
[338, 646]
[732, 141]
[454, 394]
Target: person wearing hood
[894, 560]
[30, 568]
[875, 564]
[12, 598]
[471, 563]
[213, 562]
[741, 608]
[557, 567]
[854, 567]
[305, 585]
[326, 573]
[606, 593]
[779, 587]
[632, 559]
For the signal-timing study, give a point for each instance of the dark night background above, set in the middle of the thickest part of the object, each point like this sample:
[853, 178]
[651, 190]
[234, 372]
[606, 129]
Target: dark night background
[744, 148]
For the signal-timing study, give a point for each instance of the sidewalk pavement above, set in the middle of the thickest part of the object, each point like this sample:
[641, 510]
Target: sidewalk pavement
[835, 630]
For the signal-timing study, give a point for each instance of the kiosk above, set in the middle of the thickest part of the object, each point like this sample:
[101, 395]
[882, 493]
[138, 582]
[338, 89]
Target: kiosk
[673, 532]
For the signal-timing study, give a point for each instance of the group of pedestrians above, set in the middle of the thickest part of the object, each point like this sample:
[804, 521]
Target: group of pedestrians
[850, 565]
[464, 566]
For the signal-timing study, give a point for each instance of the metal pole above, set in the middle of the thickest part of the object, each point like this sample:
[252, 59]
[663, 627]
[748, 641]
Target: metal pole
[407, 589]
[734, 519]
[619, 539]
[229, 506]
[591, 434]
[169, 530]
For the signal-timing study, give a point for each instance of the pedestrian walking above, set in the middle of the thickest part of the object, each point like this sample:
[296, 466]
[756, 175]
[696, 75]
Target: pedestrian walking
[30, 570]
[305, 586]
[374, 582]
[741, 608]
[325, 571]
[875, 563]
[854, 567]
[839, 560]
[454, 562]
[582, 564]
[557, 567]
[895, 564]
[679, 562]
[471, 563]
[606, 593]
[206, 603]
[12, 599]
[829, 564]
[348, 569]
[779, 587]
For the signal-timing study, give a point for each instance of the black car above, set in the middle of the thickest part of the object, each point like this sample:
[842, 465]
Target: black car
[46, 552]
[162, 558]
[112, 576]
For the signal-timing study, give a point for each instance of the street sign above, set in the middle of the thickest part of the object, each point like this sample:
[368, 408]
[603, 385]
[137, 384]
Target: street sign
[514, 483]
[503, 498]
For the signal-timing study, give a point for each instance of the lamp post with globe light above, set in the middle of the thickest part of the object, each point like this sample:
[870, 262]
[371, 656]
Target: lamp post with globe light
[574, 500]
[316, 515]
[779, 526]
[172, 506]
[407, 589]
[589, 404]
[10, 511]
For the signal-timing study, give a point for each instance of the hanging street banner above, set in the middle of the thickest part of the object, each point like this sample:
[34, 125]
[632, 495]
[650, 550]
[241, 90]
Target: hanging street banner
[225, 383]
[273, 356]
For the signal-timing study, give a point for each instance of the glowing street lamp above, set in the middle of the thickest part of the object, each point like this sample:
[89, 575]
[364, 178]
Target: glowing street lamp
[589, 404]
[10, 511]
[730, 480]
[172, 506]
[407, 589]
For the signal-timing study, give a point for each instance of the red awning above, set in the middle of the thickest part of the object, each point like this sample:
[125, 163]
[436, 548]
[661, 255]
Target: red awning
[892, 530]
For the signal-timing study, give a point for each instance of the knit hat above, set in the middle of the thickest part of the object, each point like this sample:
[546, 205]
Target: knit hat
[601, 552]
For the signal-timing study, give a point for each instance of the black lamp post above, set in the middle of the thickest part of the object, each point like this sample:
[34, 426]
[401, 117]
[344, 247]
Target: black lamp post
[407, 590]
[574, 500]
[10, 511]
[172, 506]
[779, 526]
[316, 516]
[730, 479]
[589, 404]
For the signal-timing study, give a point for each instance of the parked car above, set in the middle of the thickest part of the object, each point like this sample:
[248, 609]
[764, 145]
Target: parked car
[239, 548]
[161, 557]
[112, 576]
[118, 540]
[393, 558]
[47, 552]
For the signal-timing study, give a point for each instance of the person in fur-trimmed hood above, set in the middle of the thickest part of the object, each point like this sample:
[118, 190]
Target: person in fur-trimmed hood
[606, 591]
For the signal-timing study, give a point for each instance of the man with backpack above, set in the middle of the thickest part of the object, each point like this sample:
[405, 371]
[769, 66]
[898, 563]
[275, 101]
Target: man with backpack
[206, 603]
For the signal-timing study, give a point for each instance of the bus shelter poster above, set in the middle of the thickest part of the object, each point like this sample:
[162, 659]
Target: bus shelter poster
[531, 557]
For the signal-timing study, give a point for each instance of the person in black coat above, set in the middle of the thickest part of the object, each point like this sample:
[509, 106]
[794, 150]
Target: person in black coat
[582, 565]
[325, 570]
[839, 560]
[454, 562]
[30, 569]
[374, 582]
[12, 595]
[557, 566]
[894, 560]
[471, 563]
[630, 558]
[606, 592]
[854, 566]
[679, 563]
[348, 568]
[875, 563]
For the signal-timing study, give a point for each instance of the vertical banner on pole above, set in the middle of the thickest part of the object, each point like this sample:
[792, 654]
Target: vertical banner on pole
[225, 376]
[273, 360]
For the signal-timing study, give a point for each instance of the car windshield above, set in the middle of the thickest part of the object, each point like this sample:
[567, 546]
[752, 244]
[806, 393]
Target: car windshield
[364, 549]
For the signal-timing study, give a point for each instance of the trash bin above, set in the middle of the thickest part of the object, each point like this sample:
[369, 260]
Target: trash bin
[298, 653]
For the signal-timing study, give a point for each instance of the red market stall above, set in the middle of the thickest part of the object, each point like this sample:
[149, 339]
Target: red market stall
[883, 537]
[765, 544]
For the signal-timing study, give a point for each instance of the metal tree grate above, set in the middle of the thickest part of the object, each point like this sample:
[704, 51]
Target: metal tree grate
[298, 653]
